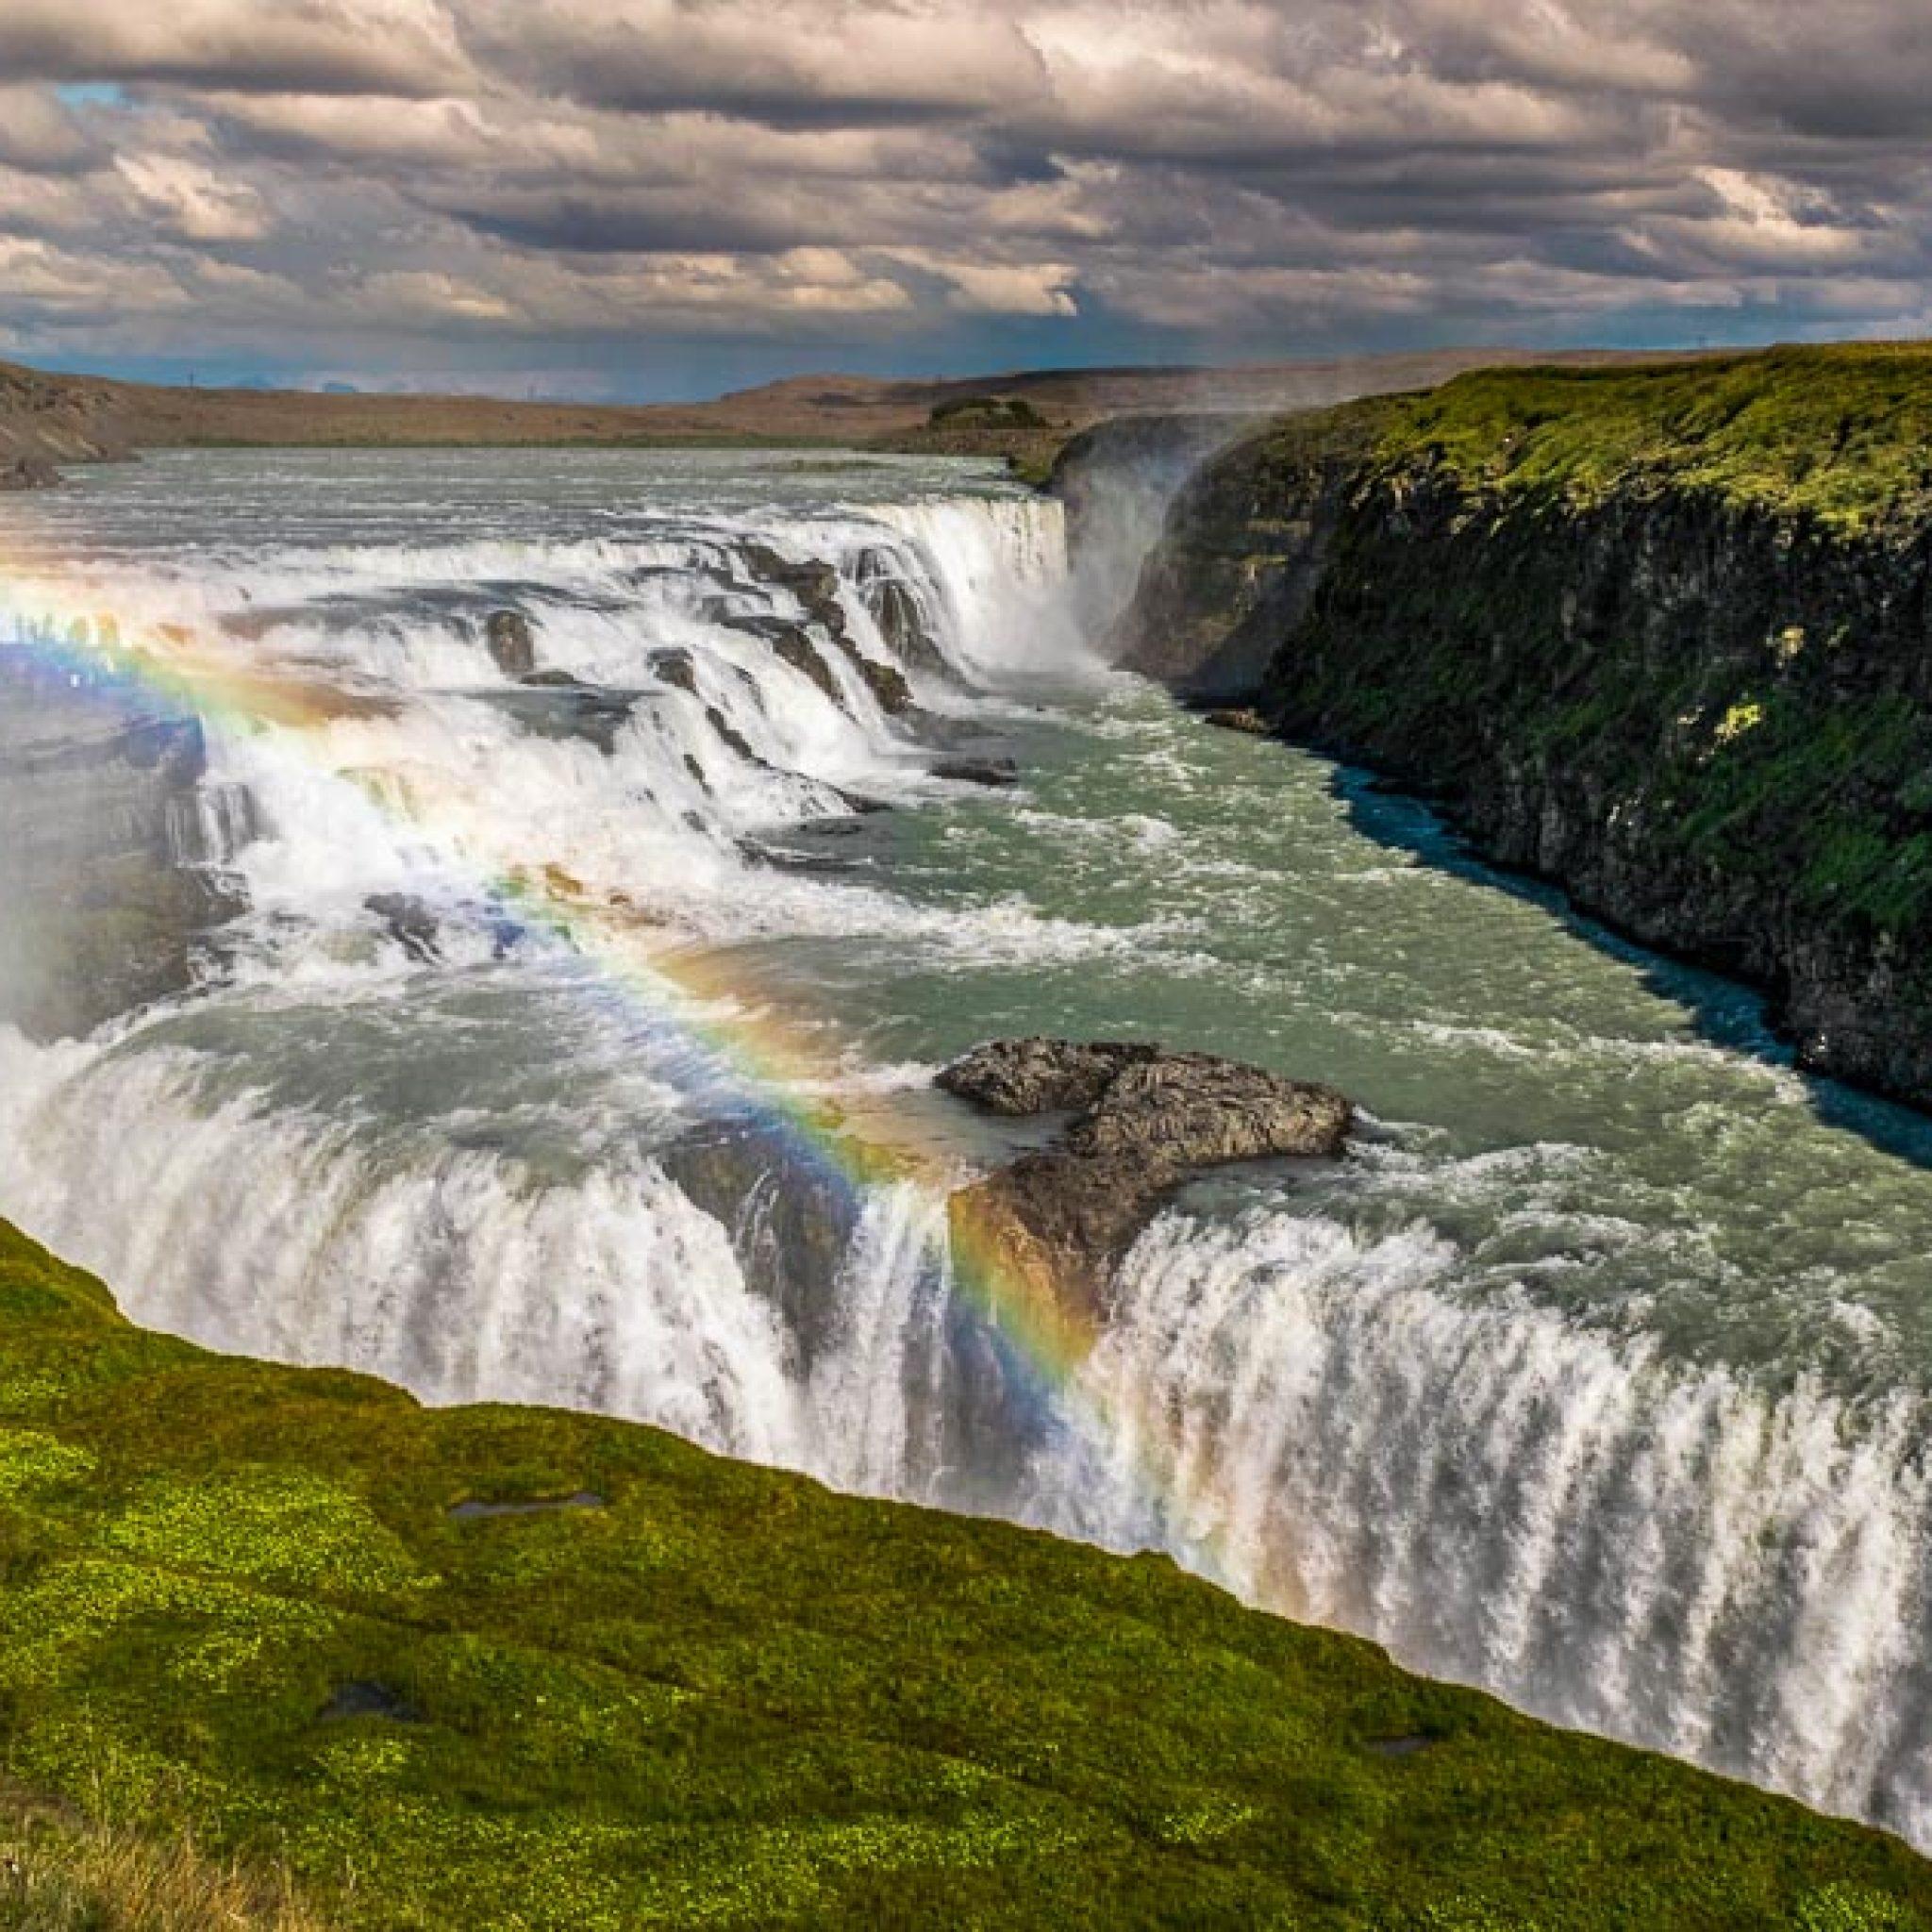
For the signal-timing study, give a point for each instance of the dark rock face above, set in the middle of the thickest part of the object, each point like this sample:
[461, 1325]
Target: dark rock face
[1247, 545]
[510, 642]
[1709, 720]
[109, 845]
[1116, 481]
[898, 609]
[732, 738]
[815, 585]
[1147, 1120]
[797, 650]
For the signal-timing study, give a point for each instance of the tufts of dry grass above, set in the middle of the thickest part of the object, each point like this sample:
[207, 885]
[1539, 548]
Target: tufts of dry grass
[63, 1872]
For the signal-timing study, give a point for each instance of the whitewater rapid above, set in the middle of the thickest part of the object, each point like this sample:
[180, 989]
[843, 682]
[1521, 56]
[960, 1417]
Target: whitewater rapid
[1598, 1377]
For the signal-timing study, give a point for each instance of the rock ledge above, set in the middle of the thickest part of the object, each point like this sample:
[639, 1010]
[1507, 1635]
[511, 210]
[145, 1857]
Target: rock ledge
[1148, 1120]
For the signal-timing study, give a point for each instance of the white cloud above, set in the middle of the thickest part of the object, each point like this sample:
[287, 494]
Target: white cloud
[193, 201]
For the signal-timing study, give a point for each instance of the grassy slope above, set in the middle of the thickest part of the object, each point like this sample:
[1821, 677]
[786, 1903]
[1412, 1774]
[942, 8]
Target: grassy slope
[733, 1698]
[1843, 433]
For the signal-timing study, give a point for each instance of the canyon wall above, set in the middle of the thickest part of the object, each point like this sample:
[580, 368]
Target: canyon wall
[1659, 637]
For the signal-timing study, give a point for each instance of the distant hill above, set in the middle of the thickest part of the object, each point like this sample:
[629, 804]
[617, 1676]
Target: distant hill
[50, 419]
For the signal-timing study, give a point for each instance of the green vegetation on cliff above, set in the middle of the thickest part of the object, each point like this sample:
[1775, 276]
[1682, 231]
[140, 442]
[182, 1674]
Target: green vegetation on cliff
[234, 1600]
[1844, 433]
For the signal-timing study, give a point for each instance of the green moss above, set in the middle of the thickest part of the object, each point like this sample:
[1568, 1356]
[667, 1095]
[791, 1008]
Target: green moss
[1843, 433]
[731, 1698]
[283, 1527]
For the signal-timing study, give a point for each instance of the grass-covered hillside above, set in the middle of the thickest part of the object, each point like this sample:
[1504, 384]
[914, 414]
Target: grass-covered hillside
[252, 1652]
[1661, 634]
[1843, 433]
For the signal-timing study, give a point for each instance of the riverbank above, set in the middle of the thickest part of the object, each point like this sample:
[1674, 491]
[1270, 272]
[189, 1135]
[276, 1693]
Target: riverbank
[502, 1666]
[1655, 636]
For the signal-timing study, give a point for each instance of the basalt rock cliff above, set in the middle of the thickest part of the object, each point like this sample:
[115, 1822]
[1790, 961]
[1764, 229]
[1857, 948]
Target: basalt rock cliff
[1663, 637]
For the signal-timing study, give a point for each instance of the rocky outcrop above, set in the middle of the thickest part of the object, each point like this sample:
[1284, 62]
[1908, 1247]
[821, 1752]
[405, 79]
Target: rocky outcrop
[1692, 685]
[1246, 547]
[815, 585]
[1146, 1120]
[510, 642]
[48, 421]
[895, 608]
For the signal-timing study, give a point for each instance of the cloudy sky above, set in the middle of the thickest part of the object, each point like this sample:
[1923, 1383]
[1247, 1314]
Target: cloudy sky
[664, 197]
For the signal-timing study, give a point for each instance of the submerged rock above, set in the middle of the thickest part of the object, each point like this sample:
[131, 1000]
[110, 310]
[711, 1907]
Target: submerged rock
[410, 922]
[554, 705]
[1056, 1222]
[676, 667]
[997, 771]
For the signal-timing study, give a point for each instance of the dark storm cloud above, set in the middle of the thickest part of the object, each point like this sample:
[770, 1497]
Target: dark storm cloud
[862, 177]
[325, 47]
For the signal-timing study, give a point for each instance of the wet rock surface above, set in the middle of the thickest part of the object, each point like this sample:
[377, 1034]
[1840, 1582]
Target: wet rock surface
[410, 922]
[110, 843]
[366, 1697]
[555, 705]
[1146, 1121]
[511, 641]
[998, 772]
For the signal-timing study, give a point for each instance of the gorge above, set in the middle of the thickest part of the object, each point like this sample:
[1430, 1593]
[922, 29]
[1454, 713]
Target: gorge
[596, 856]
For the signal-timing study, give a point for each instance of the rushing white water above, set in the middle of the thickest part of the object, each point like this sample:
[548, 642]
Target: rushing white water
[1600, 1378]
[1667, 1556]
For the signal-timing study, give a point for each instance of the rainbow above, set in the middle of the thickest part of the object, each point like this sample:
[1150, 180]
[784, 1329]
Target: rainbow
[711, 999]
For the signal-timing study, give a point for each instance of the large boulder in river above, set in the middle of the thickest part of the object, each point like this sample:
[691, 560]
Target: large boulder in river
[1054, 1224]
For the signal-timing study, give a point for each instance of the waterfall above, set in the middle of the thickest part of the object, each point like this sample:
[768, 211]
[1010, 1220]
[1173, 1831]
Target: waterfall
[1736, 1575]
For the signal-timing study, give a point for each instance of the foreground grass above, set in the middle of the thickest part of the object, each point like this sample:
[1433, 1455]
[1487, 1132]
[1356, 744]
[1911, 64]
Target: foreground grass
[234, 1603]
[62, 1871]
